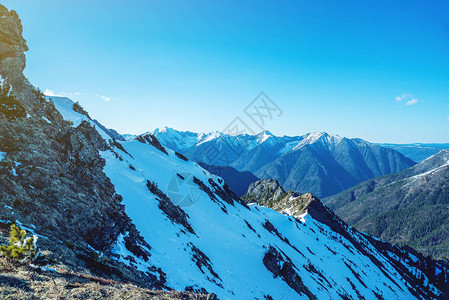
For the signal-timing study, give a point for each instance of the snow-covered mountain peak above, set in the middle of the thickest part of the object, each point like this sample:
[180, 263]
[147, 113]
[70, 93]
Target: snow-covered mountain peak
[318, 137]
[206, 137]
[169, 131]
[164, 129]
[263, 136]
[323, 136]
[174, 139]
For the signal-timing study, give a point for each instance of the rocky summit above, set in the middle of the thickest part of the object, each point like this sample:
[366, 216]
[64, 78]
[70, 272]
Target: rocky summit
[269, 193]
[85, 213]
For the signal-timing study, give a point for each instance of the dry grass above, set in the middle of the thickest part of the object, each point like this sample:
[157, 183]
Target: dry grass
[26, 282]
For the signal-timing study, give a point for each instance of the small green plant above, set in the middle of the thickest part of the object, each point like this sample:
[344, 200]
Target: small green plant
[19, 246]
[9, 106]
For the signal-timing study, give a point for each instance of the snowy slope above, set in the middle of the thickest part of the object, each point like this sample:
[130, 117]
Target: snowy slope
[234, 250]
[202, 237]
[65, 106]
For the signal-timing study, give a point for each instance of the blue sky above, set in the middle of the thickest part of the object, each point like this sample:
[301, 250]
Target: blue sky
[335, 66]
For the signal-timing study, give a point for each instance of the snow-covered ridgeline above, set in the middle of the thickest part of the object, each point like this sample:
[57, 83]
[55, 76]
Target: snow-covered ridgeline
[65, 107]
[221, 246]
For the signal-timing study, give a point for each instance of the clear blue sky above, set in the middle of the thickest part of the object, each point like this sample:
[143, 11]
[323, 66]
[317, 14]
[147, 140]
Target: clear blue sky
[335, 66]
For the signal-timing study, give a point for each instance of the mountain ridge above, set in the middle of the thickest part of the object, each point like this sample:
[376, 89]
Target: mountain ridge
[416, 198]
[320, 163]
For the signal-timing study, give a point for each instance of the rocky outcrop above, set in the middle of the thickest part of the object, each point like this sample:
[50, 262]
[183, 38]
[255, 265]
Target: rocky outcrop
[269, 193]
[51, 175]
[264, 192]
[282, 266]
[172, 211]
[12, 48]
[151, 140]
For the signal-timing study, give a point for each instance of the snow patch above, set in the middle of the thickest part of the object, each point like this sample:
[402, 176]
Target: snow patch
[46, 120]
[65, 107]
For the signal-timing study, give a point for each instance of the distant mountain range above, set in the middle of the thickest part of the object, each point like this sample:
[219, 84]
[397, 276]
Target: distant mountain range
[417, 152]
[320, 163]
[410, 207]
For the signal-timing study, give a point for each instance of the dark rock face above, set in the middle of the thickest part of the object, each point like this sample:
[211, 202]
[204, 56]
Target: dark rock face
[9, 106]
[407, 208]
[281, 266]
[173, 212]
[202, 261]
[151, 140]
[12, 48]
[180, 156]
[52, 174]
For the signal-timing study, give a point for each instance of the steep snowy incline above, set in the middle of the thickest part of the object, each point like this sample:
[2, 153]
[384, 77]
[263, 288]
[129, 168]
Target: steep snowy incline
[202, 237]
[65, 106]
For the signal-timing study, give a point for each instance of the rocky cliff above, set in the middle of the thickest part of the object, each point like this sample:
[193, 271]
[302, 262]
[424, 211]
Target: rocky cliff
[51, 175]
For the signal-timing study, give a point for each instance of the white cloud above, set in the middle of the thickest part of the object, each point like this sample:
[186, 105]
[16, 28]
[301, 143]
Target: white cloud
[106, 98]
[412, 102]
[404, 96]
[48, 92]
[410, 98]
[447, 118]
